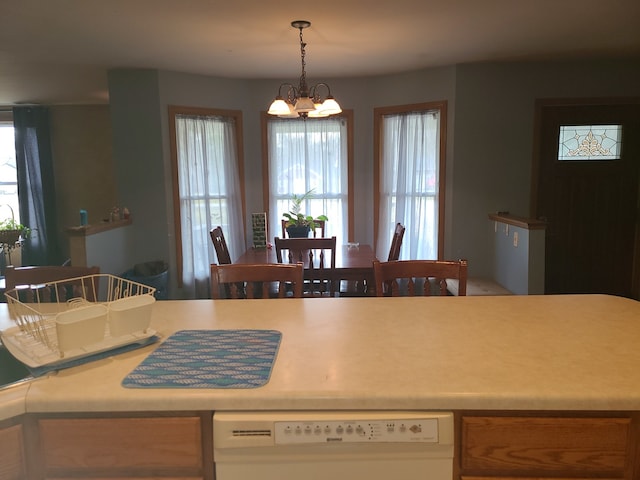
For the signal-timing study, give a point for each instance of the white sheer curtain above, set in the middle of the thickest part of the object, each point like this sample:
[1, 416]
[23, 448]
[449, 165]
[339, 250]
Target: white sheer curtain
[305, 155]
[409, 183]
[209, 195]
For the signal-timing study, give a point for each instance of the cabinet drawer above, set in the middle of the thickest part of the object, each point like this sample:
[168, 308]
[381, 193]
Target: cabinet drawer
[12, 465]
[531, 446]
[70, 444]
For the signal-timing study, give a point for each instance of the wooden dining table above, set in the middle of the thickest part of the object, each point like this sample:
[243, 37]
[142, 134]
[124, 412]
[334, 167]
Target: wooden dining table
[354, 266]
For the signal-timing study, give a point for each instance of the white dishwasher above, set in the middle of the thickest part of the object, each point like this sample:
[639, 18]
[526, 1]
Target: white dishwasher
[397, 445]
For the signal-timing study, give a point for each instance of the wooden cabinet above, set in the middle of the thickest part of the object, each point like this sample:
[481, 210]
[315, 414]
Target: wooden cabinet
[119, 446]
[12, 455]
[507, 447]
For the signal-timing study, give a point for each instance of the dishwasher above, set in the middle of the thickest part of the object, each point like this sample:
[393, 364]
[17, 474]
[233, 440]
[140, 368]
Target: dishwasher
[333, 445]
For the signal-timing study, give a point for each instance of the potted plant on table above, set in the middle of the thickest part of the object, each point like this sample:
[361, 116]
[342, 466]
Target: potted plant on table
[297, 224]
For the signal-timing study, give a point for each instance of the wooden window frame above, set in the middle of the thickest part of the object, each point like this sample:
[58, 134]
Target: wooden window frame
[199, 111]
[348, 116]
[378, 114]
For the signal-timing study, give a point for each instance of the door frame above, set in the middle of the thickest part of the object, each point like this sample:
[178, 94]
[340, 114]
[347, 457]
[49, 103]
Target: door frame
[540, 104]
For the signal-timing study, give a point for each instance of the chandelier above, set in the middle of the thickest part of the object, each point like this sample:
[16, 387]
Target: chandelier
[303, 101]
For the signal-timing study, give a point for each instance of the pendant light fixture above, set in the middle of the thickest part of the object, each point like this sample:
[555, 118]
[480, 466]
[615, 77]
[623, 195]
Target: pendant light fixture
[303, 101]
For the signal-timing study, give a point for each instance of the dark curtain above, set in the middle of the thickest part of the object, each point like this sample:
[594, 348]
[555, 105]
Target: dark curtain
[36, 189]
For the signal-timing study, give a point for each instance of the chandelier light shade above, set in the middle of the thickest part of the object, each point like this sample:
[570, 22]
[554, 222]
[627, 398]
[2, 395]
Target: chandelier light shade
[302, 100]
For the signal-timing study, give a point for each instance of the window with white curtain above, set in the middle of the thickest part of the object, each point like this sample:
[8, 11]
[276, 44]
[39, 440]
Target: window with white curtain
[8, 175]
[308, 155]
[411, 178]
[208, 193]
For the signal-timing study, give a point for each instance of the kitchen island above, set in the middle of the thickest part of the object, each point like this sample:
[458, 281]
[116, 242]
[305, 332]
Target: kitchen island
[533, 357]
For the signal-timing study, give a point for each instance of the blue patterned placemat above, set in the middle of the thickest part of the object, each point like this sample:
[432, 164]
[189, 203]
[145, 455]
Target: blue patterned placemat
[209, 359]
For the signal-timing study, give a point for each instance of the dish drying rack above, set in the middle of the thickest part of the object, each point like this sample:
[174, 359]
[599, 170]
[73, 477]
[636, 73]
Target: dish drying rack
[76, 317]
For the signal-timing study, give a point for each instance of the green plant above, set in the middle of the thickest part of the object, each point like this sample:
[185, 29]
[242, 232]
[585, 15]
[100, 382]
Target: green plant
[10, 225]
[295, 218]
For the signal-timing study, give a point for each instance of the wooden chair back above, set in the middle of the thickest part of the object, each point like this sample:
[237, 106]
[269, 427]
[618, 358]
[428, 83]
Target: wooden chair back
[263, 280]
[418, 277]
[320, 226]
[320, 271]
[396, 243]
[220, 245]
[31, 282]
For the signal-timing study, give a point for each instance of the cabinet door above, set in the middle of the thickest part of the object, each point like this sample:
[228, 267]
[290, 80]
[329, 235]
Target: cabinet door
[12, 464]
[122, 447]
[539, 446]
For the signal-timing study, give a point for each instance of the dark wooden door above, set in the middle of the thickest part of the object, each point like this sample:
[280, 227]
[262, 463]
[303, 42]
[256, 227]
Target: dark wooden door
[590, 203]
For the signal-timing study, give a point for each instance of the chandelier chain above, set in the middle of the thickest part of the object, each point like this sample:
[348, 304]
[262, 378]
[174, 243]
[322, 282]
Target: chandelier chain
[303, 75]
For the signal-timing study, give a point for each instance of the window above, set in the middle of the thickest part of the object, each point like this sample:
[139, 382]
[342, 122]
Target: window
[206, 154]
[311, 154]
[590, 142]
[409, 178]
[8, 175]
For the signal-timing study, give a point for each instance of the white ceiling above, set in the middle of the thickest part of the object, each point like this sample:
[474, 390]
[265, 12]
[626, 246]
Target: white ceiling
[58, 51]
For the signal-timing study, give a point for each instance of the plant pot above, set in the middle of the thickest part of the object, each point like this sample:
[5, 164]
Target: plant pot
[298, 232]
[10, 237]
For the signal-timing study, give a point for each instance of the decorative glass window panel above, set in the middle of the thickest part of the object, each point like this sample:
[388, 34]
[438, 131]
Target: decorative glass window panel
[590, 142]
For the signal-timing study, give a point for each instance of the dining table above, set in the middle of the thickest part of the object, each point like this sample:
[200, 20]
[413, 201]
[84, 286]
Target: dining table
[353, 272]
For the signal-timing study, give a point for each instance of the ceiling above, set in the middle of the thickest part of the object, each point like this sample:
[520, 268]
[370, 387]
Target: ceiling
[58, 51]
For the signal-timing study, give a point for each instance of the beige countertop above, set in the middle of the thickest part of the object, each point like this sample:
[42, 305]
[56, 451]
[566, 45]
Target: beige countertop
[503, 352]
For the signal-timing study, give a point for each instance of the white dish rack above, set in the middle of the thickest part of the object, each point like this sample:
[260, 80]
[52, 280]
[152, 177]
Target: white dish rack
[104, 312]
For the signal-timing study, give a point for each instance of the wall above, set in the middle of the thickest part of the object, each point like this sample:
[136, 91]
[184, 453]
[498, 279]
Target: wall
[81, 143]
[136, 122]
[495, 105]
[518, 256]
[110, 249]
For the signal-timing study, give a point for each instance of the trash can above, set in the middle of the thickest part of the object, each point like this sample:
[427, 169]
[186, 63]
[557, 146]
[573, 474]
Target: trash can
[154, 274]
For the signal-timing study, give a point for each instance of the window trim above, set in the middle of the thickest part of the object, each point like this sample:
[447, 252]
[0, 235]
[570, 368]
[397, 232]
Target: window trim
[177, 220]
[378, 114]
[348, 116]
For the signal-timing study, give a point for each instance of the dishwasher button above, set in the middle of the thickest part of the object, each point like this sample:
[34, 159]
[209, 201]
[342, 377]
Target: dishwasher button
[339, 430]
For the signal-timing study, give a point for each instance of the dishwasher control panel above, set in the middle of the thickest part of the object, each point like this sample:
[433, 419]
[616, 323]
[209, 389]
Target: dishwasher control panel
[356, 431]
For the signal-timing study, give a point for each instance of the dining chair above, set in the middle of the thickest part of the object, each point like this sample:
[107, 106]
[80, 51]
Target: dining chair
[396, 243]
[220, 245]
[31, 282]
[320, 226]
[320, 271]
[418, 277]
[266, 280]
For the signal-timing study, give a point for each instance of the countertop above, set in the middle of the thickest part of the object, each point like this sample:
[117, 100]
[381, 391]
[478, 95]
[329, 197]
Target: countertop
[505, 352]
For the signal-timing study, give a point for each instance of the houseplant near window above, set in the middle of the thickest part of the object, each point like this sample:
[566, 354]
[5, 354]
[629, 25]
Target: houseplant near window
[11, 231]
[12, 234]
[298, 224]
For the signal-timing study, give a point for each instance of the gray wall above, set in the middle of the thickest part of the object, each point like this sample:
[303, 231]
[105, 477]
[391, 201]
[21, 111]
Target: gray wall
[136, 121]
[489, 142]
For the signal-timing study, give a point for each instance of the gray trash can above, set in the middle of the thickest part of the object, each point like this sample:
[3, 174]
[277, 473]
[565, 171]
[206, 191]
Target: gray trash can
[154, 274]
